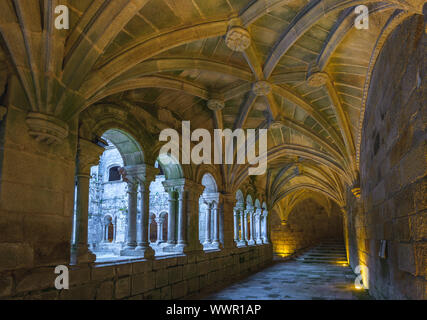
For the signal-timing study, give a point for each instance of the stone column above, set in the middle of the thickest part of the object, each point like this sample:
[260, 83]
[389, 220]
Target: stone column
[160, 221]
[143, 248]
[250, 213]
[87, 156]
[230, 230]
[143, 175]
[236, 224]
[215, 212]
[208, 224]
[243, 227]
[246, 234]
[265, 237]
[194, 191]
[171, 218]
[132, 216]
[150, 221]
[114, 229]
[182, 216]
[258, 227]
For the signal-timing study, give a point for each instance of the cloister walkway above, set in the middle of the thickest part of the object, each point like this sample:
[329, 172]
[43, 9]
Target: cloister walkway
[295, 280]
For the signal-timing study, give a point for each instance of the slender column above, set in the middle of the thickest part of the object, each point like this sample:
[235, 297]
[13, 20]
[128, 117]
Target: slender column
[159, 221]
[250, 213]
[193, 191]
[246, 235]
[258, 227]
[182, 217]
[265, 238]
[132, 215]
[144, 241]
[208, 224]
[114, 229]
[242, 228]
[142, 175]
[171, 217]
[87, 156]
[215, 212]
[236, 224]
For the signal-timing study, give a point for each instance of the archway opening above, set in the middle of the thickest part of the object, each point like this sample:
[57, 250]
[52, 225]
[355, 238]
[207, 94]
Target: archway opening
[210, 212]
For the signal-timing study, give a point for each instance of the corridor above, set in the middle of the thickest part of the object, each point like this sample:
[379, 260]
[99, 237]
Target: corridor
[318, 274]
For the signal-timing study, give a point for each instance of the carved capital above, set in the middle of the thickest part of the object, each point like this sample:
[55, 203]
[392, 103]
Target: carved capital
[141, 173]
[88, 155]
[46, 129]
[261, 88]
[215, 104]
[3, 111]
[238, 39]
[317, 79]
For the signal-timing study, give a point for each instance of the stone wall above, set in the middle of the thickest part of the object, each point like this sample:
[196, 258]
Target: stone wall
[307, 224]
[393, 165]
[163, 278]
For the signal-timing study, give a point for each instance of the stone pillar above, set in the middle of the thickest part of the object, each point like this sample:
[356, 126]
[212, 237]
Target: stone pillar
[182, 216]
[236, 224]
[215, 212]
[143, 175]
[171, 217]
[194, 191]
[132, 216]
[265, 237]
[250, 213]
[208, 224]
[258, 227]
[160, 220]
[246, 234]
[230, 230]
[87, 156]
[243, 226]
[143, 248]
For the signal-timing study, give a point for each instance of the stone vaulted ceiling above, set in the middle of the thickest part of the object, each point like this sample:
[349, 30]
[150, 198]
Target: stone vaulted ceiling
[299, 68]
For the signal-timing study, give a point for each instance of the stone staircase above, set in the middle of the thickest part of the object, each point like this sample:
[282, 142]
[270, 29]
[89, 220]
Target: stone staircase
[331, 251]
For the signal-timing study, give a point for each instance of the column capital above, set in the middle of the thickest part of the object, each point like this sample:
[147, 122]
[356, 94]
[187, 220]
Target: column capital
[88, 154]
[141, 173]
[183, 184]
[212, 196]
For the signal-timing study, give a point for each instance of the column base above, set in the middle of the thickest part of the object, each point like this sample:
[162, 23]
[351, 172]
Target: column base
[81, 254]
[140, 252]
[242, 243]
[198, 248]
[145, 251]
[251, 243]
[258, 241]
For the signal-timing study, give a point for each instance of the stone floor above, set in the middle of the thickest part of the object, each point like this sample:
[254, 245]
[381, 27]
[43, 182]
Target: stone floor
[295, 280]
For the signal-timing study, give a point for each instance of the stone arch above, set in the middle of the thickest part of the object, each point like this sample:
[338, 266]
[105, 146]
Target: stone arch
[170, 166]
[239, 196]
[129, 148]
[210, 214]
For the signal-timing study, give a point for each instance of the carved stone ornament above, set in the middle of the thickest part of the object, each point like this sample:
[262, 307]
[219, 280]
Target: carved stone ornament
[317, 79]
[215, 104]
[261, 88]
[238, 39]
[46, 129]
[88, 154]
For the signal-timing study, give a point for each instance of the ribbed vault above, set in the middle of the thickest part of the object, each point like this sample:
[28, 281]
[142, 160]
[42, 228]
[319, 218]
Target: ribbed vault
[301, 70]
